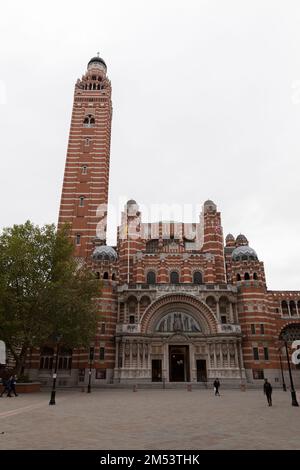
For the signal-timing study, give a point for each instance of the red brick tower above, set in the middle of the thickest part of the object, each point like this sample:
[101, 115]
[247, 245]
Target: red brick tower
[86, 178]
[213, 242]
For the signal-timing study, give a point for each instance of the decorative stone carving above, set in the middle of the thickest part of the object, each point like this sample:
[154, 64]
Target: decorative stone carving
[177, 321]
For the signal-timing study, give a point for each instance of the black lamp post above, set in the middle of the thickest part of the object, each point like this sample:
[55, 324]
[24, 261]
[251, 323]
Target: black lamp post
[293, 393]
[90, 371]
[53, 391]
[282, 375]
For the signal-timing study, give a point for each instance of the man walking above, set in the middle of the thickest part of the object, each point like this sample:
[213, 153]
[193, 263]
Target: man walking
[6, 386]
[12, 386]
[216, 387]
[268, 391]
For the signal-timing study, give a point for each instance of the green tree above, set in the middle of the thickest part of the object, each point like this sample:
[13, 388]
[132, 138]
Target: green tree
[44, 290]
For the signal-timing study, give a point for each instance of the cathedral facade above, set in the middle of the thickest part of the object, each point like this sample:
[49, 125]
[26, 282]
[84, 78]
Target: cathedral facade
[177, 302]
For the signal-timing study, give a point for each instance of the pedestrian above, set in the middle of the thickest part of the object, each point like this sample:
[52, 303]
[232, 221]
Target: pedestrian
[268, 391]
[12, 387]
[6, 387]
[216, 387]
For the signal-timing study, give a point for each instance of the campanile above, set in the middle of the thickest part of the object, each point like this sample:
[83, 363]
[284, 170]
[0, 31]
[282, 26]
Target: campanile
[86, 176]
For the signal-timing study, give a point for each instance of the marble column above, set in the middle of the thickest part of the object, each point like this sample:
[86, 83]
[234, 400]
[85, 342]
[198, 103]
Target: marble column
[218, 310]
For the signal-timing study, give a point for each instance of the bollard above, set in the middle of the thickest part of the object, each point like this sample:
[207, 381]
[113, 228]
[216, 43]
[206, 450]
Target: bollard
[243, 387]
[134, 388]
[189, 387]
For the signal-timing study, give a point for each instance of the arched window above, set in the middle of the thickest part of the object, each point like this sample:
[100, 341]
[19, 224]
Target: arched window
[238, 277]
[197, 277]
[65, 359]
[255, 276]
[84, 170]
[89, 120]
[293, 309]
[81, 201]
[131, 319]
[113, 277]
[174, 277]
[105, 275]
[132, 305]
[284, 308]
[78, 239]
[224, 305]
[46, 358]
[247, 277]
[151, 277]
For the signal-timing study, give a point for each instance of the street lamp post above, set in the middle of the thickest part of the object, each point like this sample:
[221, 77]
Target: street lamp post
[293, 393]
[53, 391]
[90, 371]
[282, 375]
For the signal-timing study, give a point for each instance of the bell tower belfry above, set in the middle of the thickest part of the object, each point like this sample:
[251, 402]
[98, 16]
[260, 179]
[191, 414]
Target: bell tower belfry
[86, 178]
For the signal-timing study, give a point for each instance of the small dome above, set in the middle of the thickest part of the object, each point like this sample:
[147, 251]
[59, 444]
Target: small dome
[131, 202]
[209, 206]
[230, 237]
[104, 253]
[97, 60]
[241, 240]
[244, 253]
[230, 240]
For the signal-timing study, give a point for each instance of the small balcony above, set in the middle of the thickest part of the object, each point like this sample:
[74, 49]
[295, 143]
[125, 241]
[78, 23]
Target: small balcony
[129, 328]
[229, 328]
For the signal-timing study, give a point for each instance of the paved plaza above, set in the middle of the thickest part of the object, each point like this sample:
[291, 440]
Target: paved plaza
[150, 419]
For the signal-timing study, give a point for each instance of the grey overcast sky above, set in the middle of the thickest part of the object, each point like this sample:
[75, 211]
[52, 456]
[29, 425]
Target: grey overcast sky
[206, 98]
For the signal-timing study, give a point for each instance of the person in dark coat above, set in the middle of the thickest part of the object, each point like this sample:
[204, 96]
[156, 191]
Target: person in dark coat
[12, 386]
[6, 386]
[268, 391]
[217, 386]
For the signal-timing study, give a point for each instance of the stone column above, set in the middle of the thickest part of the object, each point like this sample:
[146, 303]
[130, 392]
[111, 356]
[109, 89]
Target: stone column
[215, 356]
[138, 355]
[221, 355]
[130, 354]
[218, 310]
[236, 357]
[138, 311]
[117, 354]
[118, 316]
[149, 357]
[231, 318]
[123, 354]
[228, 355]
[144, 356]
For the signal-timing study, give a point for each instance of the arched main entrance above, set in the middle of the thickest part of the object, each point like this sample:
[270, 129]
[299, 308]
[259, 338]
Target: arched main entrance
[178, 323]
[178, 339]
